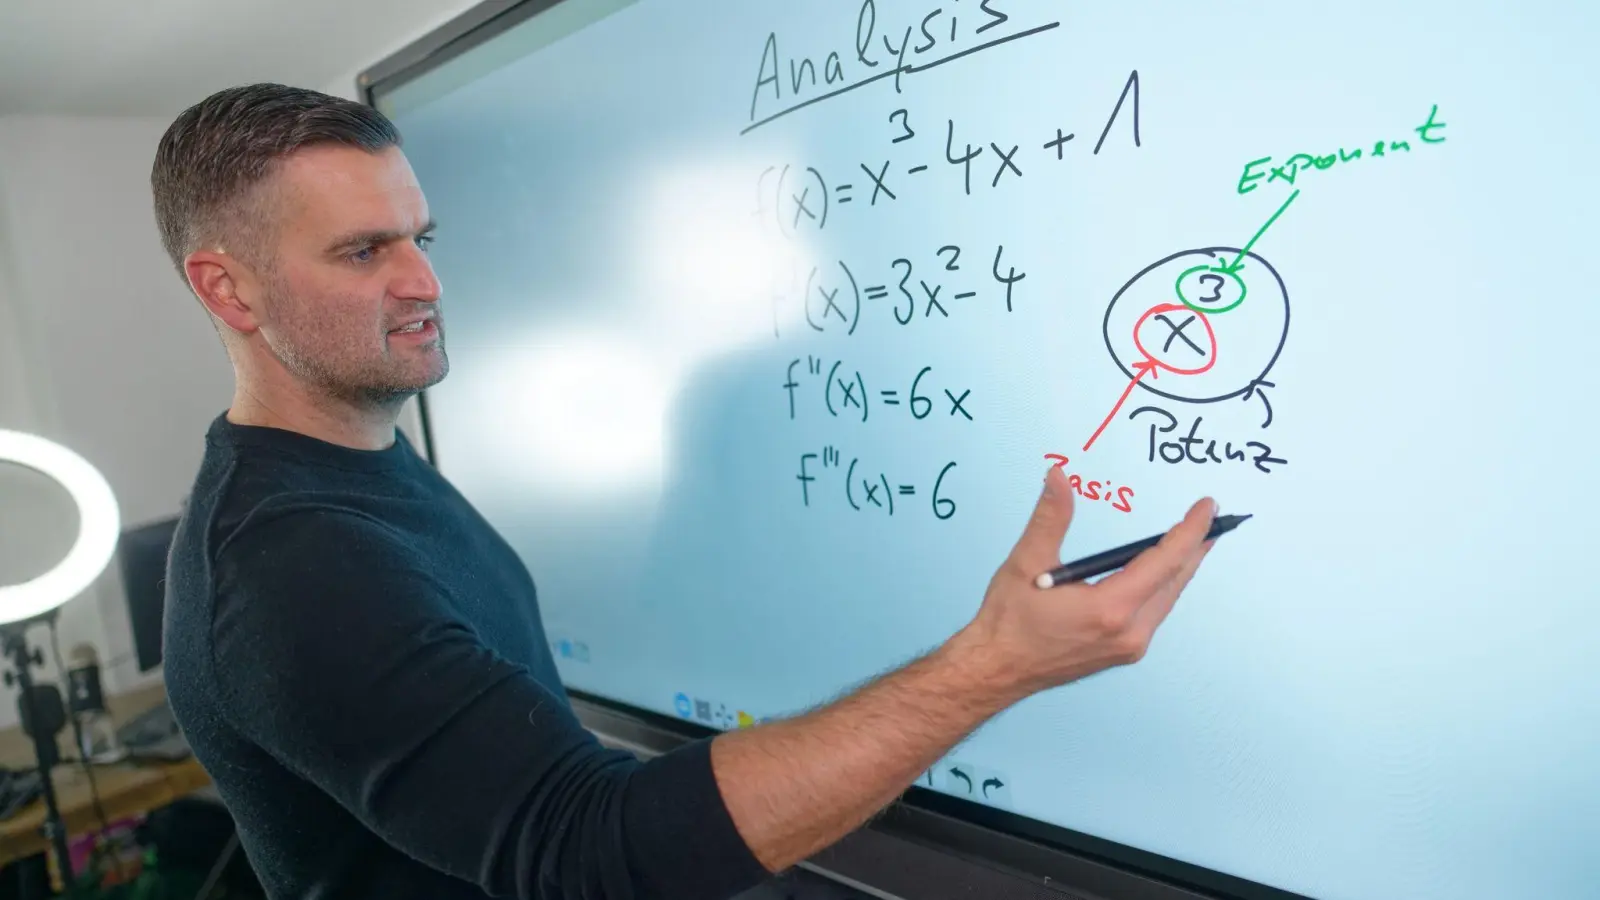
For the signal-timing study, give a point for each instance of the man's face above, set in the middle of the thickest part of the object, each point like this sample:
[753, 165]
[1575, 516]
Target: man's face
[349, 280]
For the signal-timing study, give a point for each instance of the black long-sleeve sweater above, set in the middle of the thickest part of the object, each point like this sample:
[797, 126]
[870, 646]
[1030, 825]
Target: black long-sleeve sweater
[357, 659]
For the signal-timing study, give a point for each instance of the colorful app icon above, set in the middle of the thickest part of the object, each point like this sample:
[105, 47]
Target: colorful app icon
[685, 708]
[745, 720]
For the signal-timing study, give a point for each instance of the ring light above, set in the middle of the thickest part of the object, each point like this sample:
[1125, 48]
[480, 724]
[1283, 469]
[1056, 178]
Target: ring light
[98, 521]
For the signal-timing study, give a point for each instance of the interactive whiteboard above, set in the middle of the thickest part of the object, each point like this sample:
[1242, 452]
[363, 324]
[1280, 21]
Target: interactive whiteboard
[765, 320]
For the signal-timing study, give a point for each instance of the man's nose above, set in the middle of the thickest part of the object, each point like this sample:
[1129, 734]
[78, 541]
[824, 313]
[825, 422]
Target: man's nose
[415, 279]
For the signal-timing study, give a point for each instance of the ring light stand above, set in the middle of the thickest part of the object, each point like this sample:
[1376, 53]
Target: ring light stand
[35, 602]
[42, 720]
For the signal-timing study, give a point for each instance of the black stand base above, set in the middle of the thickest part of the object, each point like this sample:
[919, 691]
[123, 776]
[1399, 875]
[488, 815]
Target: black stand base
[42, 720]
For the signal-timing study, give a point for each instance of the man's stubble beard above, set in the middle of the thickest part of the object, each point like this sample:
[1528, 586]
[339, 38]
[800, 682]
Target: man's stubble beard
[369, 388]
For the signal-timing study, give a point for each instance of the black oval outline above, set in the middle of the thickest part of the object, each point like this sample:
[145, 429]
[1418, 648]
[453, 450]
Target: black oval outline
[1105, 323]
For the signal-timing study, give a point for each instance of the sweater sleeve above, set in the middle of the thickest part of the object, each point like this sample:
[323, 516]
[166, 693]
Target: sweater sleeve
[338, 655]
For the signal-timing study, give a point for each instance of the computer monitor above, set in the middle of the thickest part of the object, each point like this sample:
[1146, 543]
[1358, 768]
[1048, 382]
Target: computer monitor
[142, 561]
[765, 320]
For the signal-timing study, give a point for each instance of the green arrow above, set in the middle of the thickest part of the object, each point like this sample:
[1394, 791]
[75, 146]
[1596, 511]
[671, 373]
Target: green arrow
[1238, 261]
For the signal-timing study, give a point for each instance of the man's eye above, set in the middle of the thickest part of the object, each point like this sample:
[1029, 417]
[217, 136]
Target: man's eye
[423, 240]
[363, 255]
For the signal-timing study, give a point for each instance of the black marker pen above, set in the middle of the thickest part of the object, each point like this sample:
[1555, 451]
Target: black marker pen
[1101, 563]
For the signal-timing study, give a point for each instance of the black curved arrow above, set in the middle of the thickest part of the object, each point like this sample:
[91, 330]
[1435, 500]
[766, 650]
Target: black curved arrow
[998, 784]
[963, 776]
[1256, 389]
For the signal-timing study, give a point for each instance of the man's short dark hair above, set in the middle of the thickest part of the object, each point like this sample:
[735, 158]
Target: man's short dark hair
[216, 153]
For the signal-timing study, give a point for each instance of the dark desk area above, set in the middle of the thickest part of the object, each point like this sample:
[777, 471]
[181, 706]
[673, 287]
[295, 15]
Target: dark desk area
[125, 788]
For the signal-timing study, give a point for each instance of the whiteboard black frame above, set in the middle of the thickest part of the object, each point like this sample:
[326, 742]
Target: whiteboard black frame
[993, 853]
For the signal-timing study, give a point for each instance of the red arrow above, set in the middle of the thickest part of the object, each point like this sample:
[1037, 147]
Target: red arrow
[1140, 370]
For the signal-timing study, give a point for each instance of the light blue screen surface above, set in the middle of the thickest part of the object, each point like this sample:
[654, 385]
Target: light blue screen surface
[703, 334]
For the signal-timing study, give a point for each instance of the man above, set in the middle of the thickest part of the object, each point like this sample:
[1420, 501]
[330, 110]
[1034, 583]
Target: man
[356, 656]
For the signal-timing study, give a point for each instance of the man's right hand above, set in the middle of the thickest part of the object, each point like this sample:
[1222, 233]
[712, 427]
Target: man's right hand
[1032, 639]
[796, 786]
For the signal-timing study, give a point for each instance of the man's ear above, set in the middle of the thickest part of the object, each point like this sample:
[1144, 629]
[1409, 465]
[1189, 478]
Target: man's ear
[226, 287]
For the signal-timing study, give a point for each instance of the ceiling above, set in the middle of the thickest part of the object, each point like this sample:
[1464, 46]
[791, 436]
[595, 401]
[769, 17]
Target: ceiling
[156, 57]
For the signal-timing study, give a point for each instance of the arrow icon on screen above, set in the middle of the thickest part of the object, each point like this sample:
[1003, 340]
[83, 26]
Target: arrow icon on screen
[998, 784]
[957, 773]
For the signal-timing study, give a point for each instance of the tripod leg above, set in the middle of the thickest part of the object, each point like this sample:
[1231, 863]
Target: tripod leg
[217, 867]
[43, 748]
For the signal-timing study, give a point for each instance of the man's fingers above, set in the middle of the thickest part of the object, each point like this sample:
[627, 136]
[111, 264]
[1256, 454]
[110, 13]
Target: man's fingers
[1039, 548]
[1155, 611]
[1162, 563]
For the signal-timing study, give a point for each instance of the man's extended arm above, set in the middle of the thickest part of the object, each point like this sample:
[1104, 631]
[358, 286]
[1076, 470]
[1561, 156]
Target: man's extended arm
[797, 786]
[340, 657]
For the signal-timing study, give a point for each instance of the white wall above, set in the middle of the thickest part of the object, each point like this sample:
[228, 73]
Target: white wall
[37, 521]
[108, 354]
[16, 407]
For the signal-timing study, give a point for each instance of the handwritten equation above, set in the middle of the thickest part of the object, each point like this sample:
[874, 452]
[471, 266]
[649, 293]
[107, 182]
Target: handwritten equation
[869, 491]
[834, 298]
[798, 199]
[1162, 330]
[844, 392]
